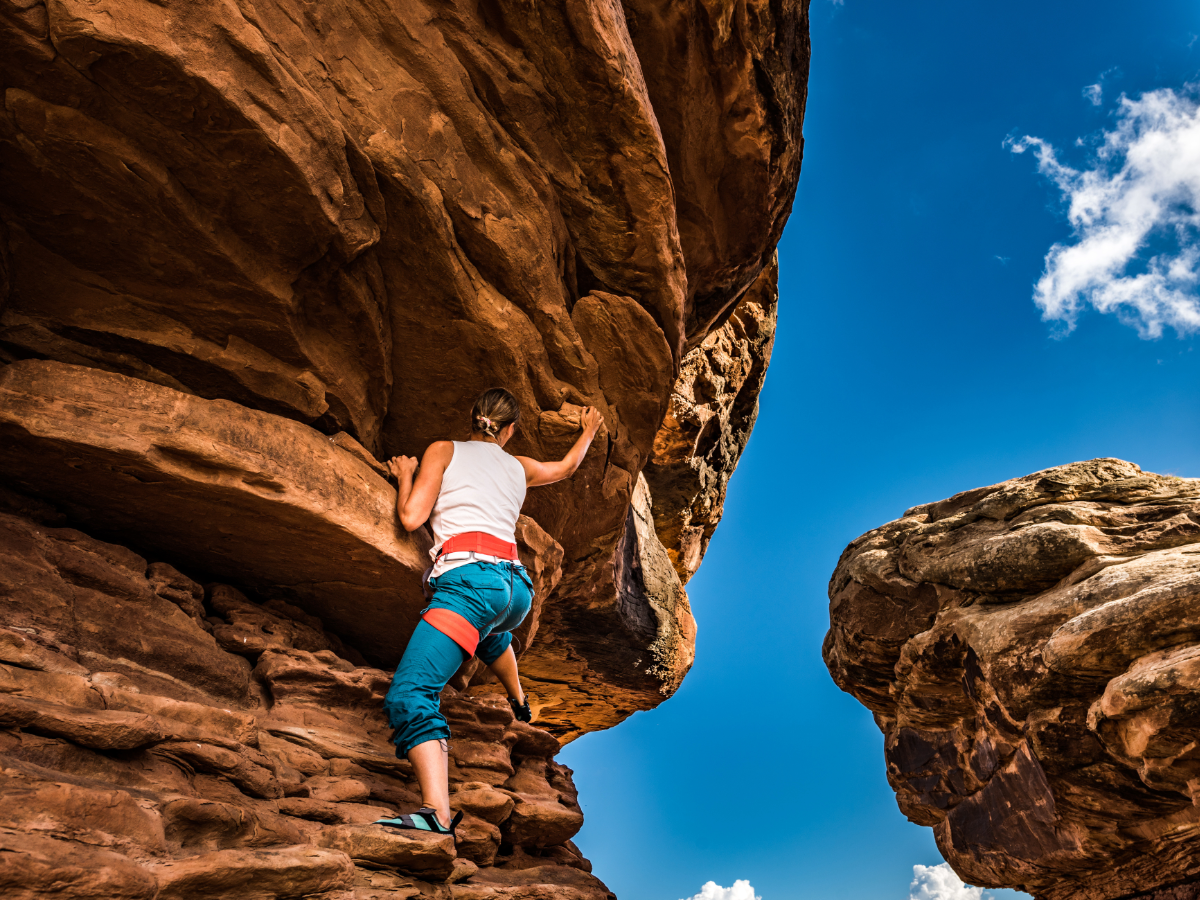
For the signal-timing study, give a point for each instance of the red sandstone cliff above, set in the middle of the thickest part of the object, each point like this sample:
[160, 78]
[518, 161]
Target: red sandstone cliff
[1031, 652]
[250, 249]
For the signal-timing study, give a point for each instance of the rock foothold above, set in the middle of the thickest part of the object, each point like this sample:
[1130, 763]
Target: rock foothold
[428, 855]
[1030, 650]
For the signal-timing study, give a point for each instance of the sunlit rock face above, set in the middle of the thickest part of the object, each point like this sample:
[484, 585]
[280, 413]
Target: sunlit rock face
[1031, 652]
[248, 251]
[710, 415]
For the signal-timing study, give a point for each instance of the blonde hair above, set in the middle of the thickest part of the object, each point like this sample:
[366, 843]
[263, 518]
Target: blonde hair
[494, 410]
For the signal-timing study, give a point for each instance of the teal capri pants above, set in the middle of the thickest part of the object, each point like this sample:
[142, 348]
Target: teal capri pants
[474, 609]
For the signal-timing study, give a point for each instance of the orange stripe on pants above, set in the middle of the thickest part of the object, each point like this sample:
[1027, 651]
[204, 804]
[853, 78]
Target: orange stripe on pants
[455, 627]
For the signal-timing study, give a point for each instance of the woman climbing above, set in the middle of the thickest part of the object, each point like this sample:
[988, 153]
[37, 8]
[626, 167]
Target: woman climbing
[471, 492]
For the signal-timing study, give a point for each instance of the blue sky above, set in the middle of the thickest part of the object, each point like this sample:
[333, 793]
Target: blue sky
[911, 362]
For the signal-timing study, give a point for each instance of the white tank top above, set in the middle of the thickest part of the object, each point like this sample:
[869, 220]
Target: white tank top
[483, 489]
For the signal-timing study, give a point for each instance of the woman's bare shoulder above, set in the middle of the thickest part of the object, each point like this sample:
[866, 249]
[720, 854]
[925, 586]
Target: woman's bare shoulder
[439, 451]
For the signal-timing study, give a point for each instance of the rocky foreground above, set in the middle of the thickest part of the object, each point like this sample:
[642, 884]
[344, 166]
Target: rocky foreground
[1031, 652]
[164, 739]
[250, 250]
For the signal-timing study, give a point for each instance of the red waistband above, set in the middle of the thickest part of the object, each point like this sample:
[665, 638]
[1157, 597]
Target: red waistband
[480, 542]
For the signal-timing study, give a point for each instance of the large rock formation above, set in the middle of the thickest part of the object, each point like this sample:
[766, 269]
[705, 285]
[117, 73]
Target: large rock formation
[1031, 652]
[249, 250]
[157, 735]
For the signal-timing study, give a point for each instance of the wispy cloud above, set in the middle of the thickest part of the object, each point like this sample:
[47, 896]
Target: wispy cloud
[940, 883]
[1094, 93]
[1135, 213]
[740, 890]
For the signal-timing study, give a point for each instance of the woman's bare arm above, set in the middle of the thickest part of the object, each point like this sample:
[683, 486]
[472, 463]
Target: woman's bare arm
[415, 498]
[539, 473]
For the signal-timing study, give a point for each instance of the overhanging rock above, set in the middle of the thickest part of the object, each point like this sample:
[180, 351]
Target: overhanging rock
[237, 493]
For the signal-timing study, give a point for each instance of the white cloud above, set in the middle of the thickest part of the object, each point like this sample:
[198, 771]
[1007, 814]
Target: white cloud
[740, 890]
[1094, 93]
[940, 883]
[1135, 214]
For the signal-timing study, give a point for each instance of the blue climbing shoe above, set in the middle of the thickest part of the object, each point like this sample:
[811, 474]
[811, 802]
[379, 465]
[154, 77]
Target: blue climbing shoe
[424, 819]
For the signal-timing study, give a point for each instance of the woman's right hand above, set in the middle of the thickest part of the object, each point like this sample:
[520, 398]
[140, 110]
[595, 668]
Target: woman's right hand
[402, 465]
[590, 420]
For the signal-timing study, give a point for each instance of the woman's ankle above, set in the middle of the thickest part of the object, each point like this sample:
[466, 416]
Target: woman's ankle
[444, 817]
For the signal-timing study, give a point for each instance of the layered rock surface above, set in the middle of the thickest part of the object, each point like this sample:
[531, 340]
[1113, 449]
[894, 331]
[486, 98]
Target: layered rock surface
[1031, 652]
[250, 250]
[354, 217]
[159, 738]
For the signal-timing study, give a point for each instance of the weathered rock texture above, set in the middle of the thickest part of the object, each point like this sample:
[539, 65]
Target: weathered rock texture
[249, 250]
[351, 217]
[157, 735]
[1031, 652]
[709, 419]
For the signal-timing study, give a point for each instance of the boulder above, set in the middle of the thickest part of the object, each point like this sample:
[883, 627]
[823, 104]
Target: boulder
[1029, 650]
[177, 775]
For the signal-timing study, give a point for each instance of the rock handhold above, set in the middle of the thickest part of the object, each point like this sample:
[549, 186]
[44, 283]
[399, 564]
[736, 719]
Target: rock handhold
[463, 869]
[484, 801]
[197, 825]
[542, 822]
[100, 729]
[20, 649]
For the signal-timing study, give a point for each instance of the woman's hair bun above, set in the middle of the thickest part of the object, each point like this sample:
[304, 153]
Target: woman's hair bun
[494, 410]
